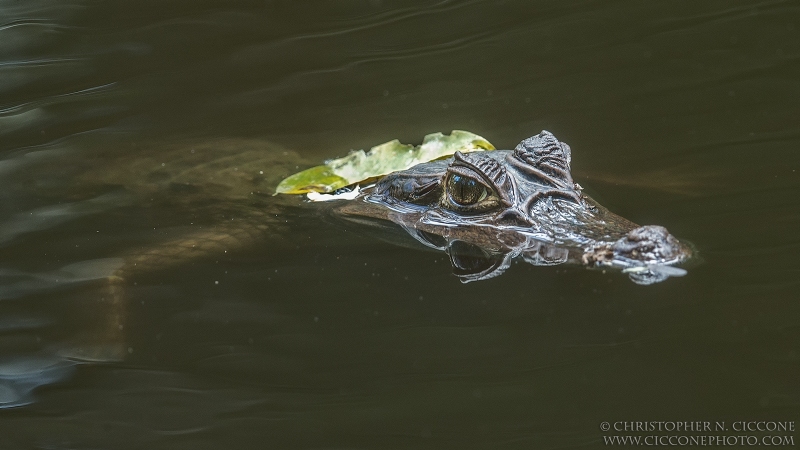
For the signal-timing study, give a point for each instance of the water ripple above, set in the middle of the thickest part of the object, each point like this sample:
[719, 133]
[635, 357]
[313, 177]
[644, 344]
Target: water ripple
[17, 109]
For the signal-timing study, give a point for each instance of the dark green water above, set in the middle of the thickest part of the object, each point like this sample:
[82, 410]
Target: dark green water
[312, 335]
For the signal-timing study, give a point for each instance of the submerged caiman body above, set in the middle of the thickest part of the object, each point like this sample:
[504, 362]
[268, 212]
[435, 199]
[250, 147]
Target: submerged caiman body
[487, 208]
[187, 201]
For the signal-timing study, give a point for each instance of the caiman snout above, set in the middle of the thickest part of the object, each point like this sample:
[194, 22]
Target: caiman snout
[651, 244]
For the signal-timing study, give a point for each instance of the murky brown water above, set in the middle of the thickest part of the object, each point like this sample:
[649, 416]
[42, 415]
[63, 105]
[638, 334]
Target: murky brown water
[304, 334]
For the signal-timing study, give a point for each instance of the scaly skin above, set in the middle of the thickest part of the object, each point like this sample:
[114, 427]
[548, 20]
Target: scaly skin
[533, 206]
[535, 212]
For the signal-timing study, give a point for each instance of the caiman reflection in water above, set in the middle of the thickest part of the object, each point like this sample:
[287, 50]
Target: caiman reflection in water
[487, 208]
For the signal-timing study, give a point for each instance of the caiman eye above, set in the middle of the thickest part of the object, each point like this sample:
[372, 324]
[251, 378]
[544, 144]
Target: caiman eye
[465, 191]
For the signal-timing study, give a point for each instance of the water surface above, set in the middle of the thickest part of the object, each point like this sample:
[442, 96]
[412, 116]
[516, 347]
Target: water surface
[308, 334]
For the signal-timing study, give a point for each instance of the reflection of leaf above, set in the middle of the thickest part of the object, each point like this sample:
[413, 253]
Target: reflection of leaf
[380, 160]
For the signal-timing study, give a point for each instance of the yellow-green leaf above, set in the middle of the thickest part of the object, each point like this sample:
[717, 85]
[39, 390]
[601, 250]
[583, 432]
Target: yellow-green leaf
[380, 160]
[315, 179]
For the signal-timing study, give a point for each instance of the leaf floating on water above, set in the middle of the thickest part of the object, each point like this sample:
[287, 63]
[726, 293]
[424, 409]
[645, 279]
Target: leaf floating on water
[380, 160]
[315, 179]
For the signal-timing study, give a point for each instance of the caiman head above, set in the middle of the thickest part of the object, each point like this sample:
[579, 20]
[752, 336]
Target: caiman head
[486, 208]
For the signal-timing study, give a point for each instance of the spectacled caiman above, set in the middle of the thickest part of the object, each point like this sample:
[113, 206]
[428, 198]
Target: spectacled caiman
[484, 209]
